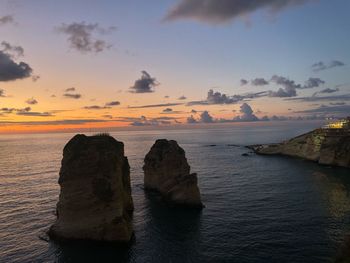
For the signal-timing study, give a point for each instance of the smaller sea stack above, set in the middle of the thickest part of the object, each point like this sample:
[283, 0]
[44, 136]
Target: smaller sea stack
[95, 200]
[166, 170]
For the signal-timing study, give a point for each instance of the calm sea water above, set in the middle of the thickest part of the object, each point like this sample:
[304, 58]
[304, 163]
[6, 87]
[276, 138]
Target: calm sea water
[258, 209]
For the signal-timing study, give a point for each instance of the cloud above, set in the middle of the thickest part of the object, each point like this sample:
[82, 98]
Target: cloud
[82, 36]
[27, 111]
[70, 89]
[338, 109]
[55, 122]
[144, 121]
[31, 101]
[11, 70]
[259, 82]
[112, 103]
[337, 103]
[8, 48]
[221, 11]
[2, 93]
[35, 114]
[107, 116]
[218, 98]
[320, 66]
[182, 98]
[167, 110]
[95, 107]
[247, 114]
[313, 83]
[155, 105]
[344, 97]
[205, 117]
[191, 120]
[11, 110]
[327, 90]
[8, 19]
[72, 96]
[145, 84]
[243, 82]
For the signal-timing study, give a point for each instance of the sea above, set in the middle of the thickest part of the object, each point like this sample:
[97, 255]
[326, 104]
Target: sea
[257, 208]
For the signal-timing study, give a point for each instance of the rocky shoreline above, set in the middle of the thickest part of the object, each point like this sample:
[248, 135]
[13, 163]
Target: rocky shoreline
[324, 146]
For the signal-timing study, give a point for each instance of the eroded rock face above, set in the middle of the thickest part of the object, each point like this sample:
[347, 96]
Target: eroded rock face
[166, 170]
[95, 200]
[325, 146]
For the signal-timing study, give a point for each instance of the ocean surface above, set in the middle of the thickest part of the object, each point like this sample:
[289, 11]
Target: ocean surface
[258, 208]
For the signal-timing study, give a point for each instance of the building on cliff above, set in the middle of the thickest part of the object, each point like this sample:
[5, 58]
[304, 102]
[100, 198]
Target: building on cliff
[339, 124]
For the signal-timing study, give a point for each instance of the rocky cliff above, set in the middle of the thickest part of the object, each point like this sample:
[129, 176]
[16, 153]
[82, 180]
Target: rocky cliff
[166, 170]
[95, 200]
[325, 146]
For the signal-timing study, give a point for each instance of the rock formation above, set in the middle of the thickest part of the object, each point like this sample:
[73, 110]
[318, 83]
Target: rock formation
[167, 171]
[325, 146]
[95, 201]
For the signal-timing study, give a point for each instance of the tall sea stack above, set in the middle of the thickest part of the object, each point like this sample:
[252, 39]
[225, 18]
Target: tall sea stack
[95, 201]
[167, 171]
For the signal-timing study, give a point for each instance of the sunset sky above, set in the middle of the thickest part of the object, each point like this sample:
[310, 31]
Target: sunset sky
[83, 63]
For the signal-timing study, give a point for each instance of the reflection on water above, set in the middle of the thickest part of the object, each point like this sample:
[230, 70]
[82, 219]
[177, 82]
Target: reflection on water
[336, 193]
[258, 208]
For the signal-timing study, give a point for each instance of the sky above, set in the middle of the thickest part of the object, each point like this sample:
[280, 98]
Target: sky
[96, 64]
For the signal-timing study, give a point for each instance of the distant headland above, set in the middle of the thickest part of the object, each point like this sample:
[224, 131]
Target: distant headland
[329, 145]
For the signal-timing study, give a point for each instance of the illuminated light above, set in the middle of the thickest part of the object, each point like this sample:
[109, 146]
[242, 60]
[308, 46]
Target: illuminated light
[341, 124]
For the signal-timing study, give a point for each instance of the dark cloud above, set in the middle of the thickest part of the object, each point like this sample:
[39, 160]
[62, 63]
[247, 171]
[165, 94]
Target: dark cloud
[289, 87]
[155, 105]
[31, 101]
[191, 120]
[70, 89]
[182, 98]
[167, 110]
[145, 84]
[8, 19]
[166, 97]
[2, 93]
[144, 121]
[247, 114]
[259, 82]
[11, 70]
[337, 103]
[344, 97]
[55, 122]
[8, 48]
[35, 114]
[205, 117]
[243, 82]
[220, 11]
[327, 90]
[107, 116]
[342, 110]
[27, 111]
[96, 107]
[112, 103]
[72, 96]
[313, 83]
[319, 66]
[11, 110]
[217, 98]
[82, 36]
